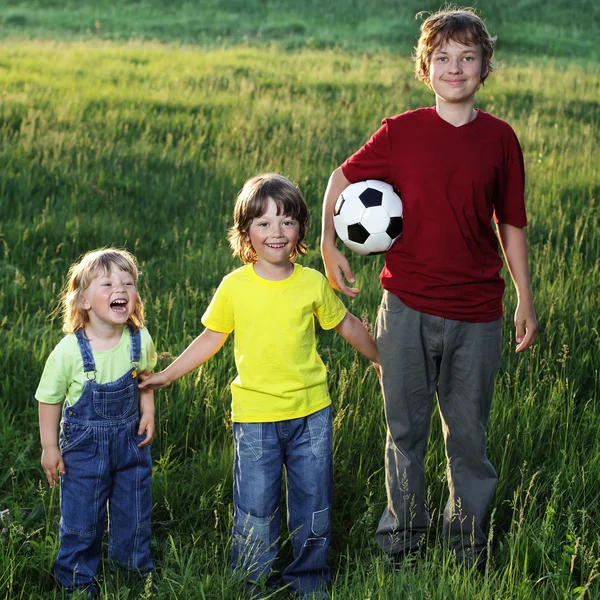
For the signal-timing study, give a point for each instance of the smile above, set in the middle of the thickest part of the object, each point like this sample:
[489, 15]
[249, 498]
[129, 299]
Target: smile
[119, 306]
[276, 246]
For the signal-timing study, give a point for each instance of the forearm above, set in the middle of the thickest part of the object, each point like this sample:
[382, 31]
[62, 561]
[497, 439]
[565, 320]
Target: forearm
[197, 353]
[356, 334]
[147, 402]
[336, 185]
[49, 418]
[514, 246]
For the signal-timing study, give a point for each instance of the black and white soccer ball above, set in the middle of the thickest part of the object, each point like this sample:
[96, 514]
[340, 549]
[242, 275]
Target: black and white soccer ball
[368, 217]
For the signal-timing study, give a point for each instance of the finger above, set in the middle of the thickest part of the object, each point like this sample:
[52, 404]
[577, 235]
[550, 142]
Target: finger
[519, 331]
[61, 466]
[527, 340]
[49, 477]
[141, 428]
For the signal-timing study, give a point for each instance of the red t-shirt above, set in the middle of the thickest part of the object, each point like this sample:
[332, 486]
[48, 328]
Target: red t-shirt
[452, 181]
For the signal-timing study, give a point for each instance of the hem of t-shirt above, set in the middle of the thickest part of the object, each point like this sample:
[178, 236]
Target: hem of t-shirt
[215, 326]
[519, 221]
[468, 317]
[335, 323]
[284, 416]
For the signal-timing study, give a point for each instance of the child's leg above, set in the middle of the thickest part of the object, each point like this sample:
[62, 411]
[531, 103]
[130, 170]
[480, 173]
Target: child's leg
[257, 471]
[469, 365]
[409, 345]
[130, 503]
[309, 487]
[83, 492]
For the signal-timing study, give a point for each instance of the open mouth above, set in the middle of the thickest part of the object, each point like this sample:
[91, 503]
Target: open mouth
[119, 306]
[276, 246]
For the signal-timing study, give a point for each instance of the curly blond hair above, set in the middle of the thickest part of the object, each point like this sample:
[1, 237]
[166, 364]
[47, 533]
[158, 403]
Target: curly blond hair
[81, 273]
[461, 25]
[252, 203]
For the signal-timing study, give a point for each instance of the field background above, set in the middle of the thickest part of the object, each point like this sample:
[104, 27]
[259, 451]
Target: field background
[136, 123]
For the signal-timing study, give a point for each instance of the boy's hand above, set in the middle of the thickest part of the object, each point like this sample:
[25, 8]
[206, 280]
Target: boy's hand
[53, 465]
[147, 425]
[525, 325]
[337, 268]
[153, 381]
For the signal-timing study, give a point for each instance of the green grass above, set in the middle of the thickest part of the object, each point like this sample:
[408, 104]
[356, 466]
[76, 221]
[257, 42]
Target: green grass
[145, 145]
[553, 28]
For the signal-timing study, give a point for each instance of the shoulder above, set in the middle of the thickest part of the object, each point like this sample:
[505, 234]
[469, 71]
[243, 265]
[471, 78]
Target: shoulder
[237, 276]
[145, 335]
[419, 115]
[496, 124]
[309, 275]
[66, 347]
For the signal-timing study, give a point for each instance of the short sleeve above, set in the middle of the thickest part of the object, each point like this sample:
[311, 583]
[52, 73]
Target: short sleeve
[148, 358]
[219, 314]
[509, 205]
[55, 381]
[329, 309]
[372, 161]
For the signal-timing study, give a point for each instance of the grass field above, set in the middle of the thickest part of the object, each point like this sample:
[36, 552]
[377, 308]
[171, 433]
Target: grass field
[110, 139]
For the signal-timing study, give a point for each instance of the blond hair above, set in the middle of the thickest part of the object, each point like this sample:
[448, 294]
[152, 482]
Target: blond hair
[93, 264]
[461, 25]
[252, 203]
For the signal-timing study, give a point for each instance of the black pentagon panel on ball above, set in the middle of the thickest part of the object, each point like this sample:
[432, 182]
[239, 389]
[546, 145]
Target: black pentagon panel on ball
[357, 233]
[395, 227]
[338, 205]
[371, 197]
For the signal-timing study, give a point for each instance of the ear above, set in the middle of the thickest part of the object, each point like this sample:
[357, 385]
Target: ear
[84, 302]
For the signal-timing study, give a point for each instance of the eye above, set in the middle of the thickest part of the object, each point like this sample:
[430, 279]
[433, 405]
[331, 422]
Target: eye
[289, 222]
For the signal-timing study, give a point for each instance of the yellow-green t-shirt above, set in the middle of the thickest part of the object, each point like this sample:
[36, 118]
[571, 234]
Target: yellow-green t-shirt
[280, 375]
[63, 377]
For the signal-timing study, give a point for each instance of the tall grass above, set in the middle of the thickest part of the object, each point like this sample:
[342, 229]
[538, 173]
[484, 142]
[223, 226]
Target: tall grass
[145, 146]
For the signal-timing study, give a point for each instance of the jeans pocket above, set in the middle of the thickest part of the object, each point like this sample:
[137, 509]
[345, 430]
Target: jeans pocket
[248, 440]
[321, 434]
[114, 405]
[79, 502]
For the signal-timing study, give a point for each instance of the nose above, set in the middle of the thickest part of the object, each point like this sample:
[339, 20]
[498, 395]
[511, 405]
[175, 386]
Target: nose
[455, 65]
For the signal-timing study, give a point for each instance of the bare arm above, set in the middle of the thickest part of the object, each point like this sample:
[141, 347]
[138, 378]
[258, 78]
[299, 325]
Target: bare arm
[207, 344]
[146, 416]
[356, 334]
[514, 246]
[336, 266]
[52, 462]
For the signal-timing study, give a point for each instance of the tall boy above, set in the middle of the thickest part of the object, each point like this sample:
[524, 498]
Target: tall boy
[439, 324]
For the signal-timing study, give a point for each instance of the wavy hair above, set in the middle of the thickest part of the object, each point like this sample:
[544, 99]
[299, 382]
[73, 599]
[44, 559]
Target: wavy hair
[461, 25]
[252, 203]
[93, 264]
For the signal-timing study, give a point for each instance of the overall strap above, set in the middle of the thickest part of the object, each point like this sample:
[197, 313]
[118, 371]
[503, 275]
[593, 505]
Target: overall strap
[136, 345]
[89, 365]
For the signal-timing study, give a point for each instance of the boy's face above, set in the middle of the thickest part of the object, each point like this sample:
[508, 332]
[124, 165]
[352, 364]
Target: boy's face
[455, 72]
[274, 237]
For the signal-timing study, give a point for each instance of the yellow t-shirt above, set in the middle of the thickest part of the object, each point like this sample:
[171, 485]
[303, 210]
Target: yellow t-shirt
[63, 377]
[280, 374]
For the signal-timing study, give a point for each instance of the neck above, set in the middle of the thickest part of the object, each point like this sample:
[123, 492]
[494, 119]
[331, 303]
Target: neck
[272, 272]
[456, 114]
[103, 336]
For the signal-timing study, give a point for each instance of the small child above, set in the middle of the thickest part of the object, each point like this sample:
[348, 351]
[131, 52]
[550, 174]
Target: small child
[102, 456]
[281, 409]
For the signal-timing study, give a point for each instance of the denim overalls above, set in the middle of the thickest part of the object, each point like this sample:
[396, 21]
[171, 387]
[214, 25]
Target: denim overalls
[104, 469]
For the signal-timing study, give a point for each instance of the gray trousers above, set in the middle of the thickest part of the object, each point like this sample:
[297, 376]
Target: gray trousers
[420, 355]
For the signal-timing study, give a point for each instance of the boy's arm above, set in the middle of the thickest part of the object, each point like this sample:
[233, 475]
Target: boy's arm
[52, 462]
[146, 417]
[209, 342]
[514, 246]
[356, 334]
[336, 265]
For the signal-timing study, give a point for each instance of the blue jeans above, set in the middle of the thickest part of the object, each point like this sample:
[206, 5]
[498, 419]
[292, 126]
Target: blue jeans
[106, 473]
[304, 447]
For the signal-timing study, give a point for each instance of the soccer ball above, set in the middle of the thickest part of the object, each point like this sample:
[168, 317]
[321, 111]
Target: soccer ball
[368, 217]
